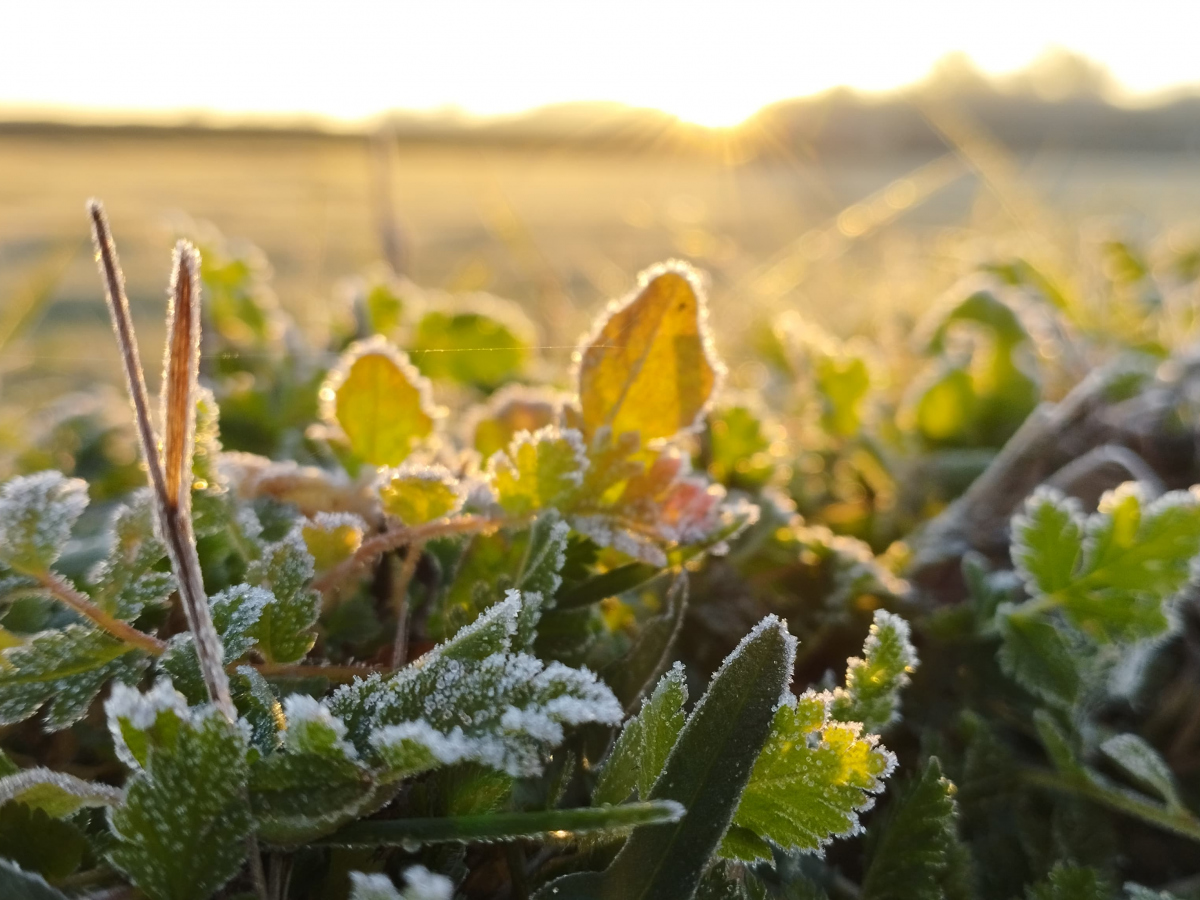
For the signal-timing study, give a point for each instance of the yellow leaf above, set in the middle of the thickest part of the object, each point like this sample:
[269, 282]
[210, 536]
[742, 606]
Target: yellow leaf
[650, 368]
[379, 401]
[419, 495]
[332, 538]
[538, 470]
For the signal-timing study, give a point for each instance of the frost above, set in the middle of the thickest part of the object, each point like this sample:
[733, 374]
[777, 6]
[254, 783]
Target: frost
[66, 669]
[873, 683]
[57, 793]
[421, 884]
[473, 698]
[539, 469]
[416, 494]
[37, 513]
[286, 567]
[312, 728]
[812, 780]
[131, 713]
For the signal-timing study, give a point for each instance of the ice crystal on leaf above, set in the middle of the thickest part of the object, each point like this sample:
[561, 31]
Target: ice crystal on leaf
[37, 513]
[420, 884]
[286, 568]
[65, 669]
[1114, 572]
[812, 779]
[419, 494]
[173, 841]
[475, 699]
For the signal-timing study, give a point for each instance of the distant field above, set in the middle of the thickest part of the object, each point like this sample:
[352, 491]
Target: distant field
[557, 230]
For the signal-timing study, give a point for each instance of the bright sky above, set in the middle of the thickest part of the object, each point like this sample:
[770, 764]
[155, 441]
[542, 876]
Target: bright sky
[708, 62]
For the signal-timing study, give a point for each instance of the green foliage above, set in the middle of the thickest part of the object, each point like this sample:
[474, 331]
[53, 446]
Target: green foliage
[172, 838]
[483, 346]
[1072, 883]
[1113, 573]
[640, 752]
[873, 683]
[63, 670]
[813, 777]
[470, 660]
[911, 853]
[706, 772]
[37, 513]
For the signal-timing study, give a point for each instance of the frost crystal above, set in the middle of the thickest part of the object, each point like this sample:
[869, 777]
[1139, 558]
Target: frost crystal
[421, 885]
[472, 698]
[312, 728]
[37, 513]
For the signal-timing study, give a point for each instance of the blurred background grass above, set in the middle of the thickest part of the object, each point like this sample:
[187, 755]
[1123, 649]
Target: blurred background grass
[855, 211]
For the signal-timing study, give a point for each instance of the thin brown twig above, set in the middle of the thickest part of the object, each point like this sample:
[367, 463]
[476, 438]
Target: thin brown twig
[172, 490]
[400, 598]
[395, 538]
[63, 591]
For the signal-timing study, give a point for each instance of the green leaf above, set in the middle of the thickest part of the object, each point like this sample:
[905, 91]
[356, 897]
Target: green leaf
[873, 683]
[633, 673]
[740, 446]
[66, 669]
[538, 470]
[173, 840]
[909, 854]
[421, 884]
[544, 557]
[813, 777]
[641, 750]
[37, 513]
[19, 884]
[125, 582]
[332, 538]
[236, 613]
[57, 793]
[316, 783]
[1134, 557]
[1067, 882]
[843, 382]
[38, 842]
[1039, 656]
[607, 584]
[473, 699]
[505, 826]
[650, 367]
[1144, 765]
[419, 494]
[1047, 541]
[379, 401]
[483, 345]
[283, 630]
[706, 773]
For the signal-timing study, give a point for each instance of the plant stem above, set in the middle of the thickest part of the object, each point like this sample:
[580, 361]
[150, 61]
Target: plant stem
[400, 598]
[257, 875]
[395, 538]
[62, 590]
[560, 823]
[1181, 822]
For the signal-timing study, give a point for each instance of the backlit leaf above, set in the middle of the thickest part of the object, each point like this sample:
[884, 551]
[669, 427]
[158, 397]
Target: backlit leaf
[419, 494]
[538, 470]
[379, 401]
[873, 683]
[650, 367]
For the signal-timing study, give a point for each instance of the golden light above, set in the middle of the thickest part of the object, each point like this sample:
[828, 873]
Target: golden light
[712, 64]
